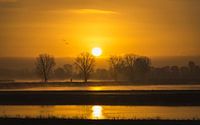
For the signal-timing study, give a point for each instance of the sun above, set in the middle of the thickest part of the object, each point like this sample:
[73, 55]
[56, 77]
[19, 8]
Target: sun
[96, 51]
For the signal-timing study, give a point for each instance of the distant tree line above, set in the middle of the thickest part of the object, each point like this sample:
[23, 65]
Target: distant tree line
[127, 68]
[189, 73]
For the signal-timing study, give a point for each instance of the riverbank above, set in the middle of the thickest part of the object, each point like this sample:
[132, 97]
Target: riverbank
[137, 97]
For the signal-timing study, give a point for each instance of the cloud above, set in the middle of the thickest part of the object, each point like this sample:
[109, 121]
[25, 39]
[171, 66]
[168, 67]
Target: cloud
[93, 11]
[83, 11]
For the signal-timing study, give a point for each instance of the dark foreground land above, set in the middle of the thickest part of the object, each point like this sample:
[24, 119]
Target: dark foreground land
[29, 121]
[135, 97]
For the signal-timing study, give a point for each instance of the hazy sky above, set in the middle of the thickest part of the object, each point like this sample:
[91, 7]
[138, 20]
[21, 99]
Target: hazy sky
[68, 27]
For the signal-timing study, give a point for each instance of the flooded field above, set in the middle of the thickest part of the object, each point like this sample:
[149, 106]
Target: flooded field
[103, 112]
[106, 88]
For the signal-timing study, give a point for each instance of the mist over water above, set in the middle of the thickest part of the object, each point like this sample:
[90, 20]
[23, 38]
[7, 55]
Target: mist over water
[21, 68]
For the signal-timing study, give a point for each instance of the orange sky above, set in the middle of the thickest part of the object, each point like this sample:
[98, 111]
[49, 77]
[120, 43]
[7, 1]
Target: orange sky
[68, 27]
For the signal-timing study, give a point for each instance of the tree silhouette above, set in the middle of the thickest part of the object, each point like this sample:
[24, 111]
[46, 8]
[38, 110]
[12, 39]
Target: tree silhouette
[60, 73]
[116, 66]
[142, 66]
[44, 66]
[85, 63]
[192, 66]
[129, 61]
[102, 73]
[175, 72]
[68, 68]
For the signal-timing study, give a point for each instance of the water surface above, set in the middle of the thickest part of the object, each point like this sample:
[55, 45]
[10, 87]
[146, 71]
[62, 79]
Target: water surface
[108, 88]
[103, 112]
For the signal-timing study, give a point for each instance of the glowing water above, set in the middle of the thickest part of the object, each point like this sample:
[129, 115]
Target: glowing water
[103, 112]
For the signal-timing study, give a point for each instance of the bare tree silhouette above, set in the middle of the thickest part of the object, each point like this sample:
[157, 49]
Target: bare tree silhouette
[116, 66]
[44, 66]
[129, 61]
[85, 63]
[142, 66]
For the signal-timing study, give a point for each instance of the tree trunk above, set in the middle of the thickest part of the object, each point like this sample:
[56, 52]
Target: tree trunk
[45, 79]
[85, 79]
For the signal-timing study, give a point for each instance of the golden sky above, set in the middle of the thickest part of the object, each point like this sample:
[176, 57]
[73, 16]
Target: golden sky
[67, 27]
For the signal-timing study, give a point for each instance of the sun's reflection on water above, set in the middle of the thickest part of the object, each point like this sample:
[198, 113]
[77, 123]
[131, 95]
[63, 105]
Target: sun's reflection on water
[95, 88]
[97, 112]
